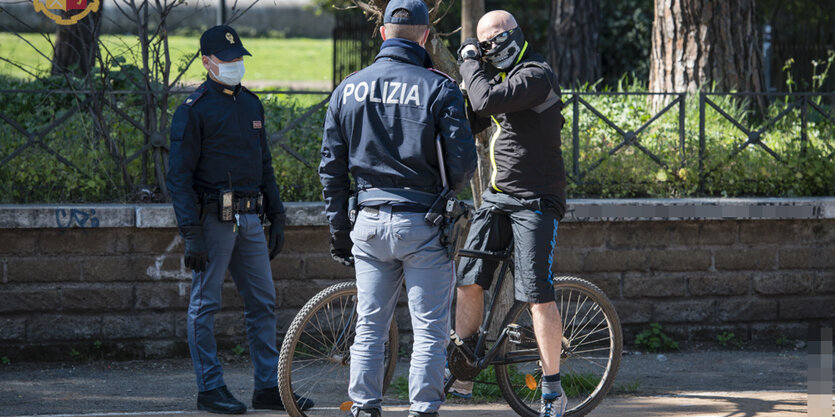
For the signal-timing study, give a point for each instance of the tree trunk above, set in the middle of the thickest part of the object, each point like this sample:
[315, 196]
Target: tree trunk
[471, 11]
[573, 38]
[75, 46]
[697, 43]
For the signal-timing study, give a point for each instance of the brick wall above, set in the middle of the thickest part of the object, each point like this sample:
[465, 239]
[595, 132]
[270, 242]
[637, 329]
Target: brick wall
[760, 279]
[123, 291]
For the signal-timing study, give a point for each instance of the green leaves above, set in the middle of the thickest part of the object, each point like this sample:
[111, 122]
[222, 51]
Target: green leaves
[630, 172]
[655, 340]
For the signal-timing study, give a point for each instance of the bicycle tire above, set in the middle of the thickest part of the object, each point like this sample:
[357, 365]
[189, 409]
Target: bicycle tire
[581, 361]
[329, 386]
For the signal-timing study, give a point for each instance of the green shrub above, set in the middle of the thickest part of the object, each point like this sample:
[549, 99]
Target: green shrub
[729, 338]
[752, 172]
[655, 340]
[87, 171]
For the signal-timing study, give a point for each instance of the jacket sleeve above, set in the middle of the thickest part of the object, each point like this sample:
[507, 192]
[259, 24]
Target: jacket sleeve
[273, 205]
[182, 162]
[525, 88]
[456, 137]
[333, 169]
[477, 123]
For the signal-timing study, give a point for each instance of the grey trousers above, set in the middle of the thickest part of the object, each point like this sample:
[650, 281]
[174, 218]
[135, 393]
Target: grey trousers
[390, 248]
[244, 254]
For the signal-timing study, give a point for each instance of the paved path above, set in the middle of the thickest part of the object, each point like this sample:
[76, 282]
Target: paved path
[731, 384]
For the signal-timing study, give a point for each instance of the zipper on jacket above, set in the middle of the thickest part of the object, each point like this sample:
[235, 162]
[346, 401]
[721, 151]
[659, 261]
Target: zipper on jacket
[493, 139]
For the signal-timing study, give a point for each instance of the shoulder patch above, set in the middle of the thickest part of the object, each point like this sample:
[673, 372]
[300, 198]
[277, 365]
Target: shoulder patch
[191, 99]
[443, 74]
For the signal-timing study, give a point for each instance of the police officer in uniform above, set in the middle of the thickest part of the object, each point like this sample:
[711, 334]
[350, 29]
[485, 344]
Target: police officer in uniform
[514, 89]
[382, 125]
[221, 182]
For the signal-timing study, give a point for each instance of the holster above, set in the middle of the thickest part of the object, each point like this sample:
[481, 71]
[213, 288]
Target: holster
[453, 217]
[455, 226]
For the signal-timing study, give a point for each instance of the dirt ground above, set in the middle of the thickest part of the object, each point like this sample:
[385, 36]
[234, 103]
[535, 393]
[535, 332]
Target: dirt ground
[728, 383]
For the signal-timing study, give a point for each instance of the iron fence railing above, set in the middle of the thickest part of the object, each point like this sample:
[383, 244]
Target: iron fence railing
[752, 114]
[107, 138]
[104, 137]
[355, 45]
[753, 134]
[629, 137]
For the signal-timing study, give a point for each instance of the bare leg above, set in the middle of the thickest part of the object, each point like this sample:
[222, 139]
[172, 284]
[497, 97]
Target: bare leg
[547, 324]
[469, 309]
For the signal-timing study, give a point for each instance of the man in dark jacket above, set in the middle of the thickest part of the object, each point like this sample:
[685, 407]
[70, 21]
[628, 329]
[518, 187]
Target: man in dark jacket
[221, 181]
[384, 126]
[515, 90]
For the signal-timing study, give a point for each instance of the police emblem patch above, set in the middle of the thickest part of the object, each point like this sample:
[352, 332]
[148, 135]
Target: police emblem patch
[256, 124]
[230, 38]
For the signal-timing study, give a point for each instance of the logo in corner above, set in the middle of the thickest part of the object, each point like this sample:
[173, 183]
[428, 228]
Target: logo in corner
[75, 9]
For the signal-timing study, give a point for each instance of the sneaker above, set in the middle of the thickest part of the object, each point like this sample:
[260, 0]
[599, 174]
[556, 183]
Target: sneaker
[368, 412]
[462, 389]
[554, 405]
[413, 413]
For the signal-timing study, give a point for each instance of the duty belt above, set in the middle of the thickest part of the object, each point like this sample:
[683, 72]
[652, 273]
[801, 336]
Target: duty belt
[241, 204]
[378, 196]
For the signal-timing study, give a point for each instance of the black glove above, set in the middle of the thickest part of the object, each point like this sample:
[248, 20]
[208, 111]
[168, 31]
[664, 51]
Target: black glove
[341, 245]
[469, 54]
[276, 234]
[196, 255]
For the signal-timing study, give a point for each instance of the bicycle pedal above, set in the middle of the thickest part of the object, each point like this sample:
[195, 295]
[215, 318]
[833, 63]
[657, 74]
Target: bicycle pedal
[514, 333]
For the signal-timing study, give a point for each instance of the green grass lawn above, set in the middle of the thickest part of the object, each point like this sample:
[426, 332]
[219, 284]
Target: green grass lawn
[297, 59]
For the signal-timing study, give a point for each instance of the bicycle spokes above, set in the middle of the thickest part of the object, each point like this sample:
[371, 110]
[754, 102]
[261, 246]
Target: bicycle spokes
[591, 348]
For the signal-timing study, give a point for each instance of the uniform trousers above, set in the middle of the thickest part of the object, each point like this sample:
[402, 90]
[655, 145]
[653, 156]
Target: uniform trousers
[391, 248]
[244, 253]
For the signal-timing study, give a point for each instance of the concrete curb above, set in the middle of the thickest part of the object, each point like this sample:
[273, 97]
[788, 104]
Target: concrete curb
[144, 216]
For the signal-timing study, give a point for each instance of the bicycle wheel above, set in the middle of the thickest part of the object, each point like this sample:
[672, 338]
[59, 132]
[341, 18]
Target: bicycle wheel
[315, 358]
[592, 345]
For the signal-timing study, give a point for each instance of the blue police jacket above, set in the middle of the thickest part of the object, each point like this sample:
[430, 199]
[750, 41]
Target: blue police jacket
[382, 124]
[217, 142]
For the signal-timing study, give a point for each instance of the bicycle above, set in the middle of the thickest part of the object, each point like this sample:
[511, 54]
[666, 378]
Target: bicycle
[591, 348]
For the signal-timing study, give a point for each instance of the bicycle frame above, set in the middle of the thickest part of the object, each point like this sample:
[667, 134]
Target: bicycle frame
[527, 355]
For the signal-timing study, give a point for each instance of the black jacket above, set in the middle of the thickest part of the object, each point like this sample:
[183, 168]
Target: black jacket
[524, 104]
[217, 133]
[382, 125]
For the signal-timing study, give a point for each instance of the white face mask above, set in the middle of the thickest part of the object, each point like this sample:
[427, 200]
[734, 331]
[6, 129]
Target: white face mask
[229, 73]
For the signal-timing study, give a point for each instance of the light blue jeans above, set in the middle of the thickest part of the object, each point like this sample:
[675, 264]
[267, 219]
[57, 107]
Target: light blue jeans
[388, 249]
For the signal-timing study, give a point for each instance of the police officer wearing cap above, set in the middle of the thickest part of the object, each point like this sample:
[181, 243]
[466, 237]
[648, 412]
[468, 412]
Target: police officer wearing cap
[514, 89]
[382, 126]
[222, 184]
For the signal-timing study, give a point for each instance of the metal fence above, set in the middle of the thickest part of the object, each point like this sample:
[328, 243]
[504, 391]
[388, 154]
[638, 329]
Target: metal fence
[62, 145]
[73, 145]
[354, 44]
[667, 146]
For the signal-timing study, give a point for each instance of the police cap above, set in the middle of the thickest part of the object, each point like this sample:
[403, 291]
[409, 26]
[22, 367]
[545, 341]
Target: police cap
[418, 13]
[223, 42]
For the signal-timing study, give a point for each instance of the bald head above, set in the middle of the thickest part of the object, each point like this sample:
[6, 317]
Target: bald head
[494, 23]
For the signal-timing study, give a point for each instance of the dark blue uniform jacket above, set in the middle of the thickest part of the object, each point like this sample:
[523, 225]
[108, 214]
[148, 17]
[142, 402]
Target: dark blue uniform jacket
[382, 124]
[218, 133]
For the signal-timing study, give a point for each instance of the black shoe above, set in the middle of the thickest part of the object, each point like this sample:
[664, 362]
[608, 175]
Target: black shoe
[220, 401]
[369, 412]
[270, 399]
[413, 413]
